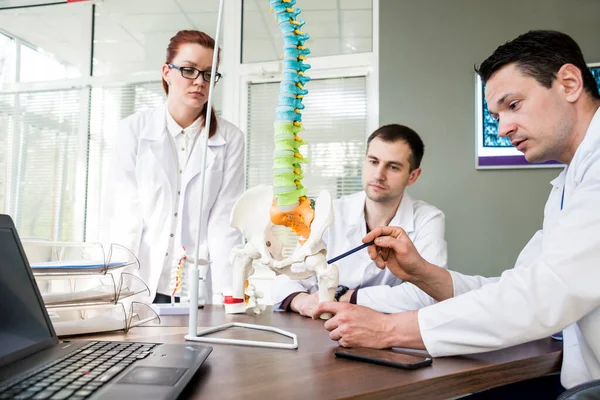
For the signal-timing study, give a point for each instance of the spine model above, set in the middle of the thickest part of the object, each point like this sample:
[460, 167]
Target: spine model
[291, 207]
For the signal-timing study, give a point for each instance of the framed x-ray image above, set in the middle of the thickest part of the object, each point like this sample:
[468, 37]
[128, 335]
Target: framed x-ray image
[494, 152]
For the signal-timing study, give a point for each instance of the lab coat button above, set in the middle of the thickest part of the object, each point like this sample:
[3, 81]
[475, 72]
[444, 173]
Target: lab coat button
[172, 234]
[175, 214]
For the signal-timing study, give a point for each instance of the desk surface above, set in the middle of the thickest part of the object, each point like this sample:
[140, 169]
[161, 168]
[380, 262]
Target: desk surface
[313, 372]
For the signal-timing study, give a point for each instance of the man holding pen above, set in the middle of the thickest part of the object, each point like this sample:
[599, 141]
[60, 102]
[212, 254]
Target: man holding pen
[546, 101]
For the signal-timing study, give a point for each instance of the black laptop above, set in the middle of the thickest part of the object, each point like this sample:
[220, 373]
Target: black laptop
[35, 365]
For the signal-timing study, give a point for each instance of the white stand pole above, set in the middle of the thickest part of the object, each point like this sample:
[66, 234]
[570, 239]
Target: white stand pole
[194, 273]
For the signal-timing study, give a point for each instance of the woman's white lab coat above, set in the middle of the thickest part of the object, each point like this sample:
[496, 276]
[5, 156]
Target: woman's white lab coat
[555, 284]
[154, 203]
[379, 289]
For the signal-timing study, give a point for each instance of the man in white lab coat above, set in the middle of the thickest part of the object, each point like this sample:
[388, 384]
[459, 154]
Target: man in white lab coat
[546, 101]
[392, 163]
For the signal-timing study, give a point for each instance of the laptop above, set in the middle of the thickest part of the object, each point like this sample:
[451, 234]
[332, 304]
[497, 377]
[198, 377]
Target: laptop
[35, 365]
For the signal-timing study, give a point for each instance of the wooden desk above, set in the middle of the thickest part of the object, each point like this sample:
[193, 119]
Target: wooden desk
[313, 372]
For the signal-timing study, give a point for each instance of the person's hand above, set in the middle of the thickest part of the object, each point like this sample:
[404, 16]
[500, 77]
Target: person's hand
[393, 249]
[305, 304]
[356, 326]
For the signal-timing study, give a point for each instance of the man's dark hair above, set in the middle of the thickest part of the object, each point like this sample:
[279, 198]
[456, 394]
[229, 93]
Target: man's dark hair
[540, 54]
[395, 132]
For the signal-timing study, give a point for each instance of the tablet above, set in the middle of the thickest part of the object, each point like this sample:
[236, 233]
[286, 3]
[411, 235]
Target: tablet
[389, 358]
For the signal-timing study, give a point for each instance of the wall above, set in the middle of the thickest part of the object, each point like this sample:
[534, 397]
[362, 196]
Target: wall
[427, 52]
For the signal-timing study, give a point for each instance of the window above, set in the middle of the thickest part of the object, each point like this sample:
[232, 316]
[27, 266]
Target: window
[57, 48]
[40, 141]
[335, 131]
[55, 130]
[41, 66]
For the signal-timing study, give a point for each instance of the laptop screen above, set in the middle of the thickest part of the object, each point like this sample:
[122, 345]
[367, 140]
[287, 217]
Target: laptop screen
[24, 327]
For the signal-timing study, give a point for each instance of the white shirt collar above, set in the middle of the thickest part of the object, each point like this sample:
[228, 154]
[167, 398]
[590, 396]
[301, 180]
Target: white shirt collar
[590, 141]
[191, 131]
[404, 217]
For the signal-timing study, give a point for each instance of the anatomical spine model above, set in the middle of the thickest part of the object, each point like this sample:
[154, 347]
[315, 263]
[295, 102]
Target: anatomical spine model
[260, 208]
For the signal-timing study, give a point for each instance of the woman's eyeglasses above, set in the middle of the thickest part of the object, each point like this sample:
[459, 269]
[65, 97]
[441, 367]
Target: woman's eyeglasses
[194, 73]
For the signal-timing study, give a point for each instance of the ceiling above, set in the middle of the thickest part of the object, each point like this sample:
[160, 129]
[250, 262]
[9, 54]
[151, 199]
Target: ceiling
[132, 35]
[335, 27]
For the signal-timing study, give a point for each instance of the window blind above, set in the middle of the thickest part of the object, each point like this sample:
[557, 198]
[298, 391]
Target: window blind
[335, 121]
[39, 132]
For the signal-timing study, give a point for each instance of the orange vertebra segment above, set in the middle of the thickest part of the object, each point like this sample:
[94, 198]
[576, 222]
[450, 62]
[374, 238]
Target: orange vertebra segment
[298, 219]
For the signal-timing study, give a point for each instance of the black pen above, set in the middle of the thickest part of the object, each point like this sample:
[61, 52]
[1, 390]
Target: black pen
[354, 250]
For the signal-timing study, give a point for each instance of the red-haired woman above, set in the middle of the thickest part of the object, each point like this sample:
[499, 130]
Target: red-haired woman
[158, 158]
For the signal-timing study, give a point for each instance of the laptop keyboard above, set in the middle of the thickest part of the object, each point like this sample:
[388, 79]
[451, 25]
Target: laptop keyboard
[79, 374]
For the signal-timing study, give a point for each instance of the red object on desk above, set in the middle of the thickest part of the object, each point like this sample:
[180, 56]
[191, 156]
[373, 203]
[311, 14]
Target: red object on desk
[231, 300]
